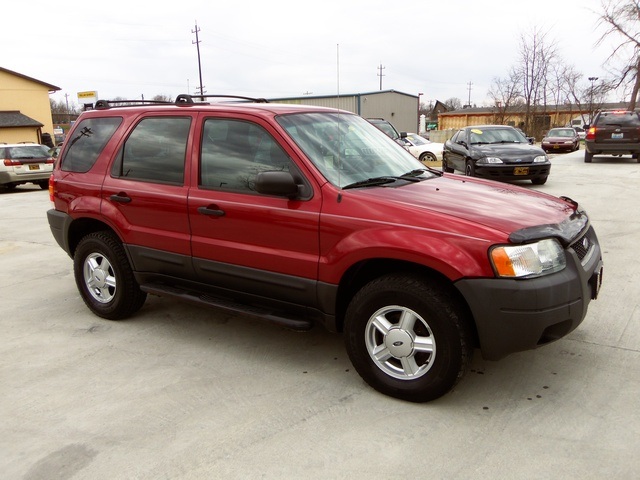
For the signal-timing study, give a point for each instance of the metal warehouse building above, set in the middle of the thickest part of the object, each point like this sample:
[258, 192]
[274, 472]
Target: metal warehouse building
[401, 109]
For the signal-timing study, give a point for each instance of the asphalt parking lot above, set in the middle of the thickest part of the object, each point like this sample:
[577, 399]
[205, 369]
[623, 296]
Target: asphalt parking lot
[181, 392]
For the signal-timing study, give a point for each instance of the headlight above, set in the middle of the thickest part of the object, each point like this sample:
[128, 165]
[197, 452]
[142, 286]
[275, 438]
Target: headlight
[540, 159]
[530, 260]
[489, 160]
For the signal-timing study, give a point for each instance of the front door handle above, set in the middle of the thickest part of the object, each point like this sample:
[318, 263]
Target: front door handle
[211, 210]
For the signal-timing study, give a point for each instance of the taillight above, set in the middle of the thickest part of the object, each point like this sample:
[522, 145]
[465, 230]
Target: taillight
[10, 162]
[50, 160]
[51, 189]
[591, 133]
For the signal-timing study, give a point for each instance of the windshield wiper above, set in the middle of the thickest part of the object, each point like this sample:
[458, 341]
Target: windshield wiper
[420, 171]
[375, 181]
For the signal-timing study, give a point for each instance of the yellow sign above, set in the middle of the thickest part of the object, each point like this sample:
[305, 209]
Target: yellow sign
[92, 94]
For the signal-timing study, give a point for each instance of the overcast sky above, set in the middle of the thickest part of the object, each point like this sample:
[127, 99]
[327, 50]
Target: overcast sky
[289, 48]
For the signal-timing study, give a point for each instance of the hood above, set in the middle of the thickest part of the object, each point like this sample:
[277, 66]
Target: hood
[498, 207]
[507, 152]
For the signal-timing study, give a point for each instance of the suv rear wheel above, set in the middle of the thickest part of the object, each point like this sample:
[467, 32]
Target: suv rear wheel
[104, 277]
[408, 338]
[588, 157]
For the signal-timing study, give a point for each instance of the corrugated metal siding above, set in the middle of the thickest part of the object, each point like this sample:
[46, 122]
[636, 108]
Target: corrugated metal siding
[400, 109]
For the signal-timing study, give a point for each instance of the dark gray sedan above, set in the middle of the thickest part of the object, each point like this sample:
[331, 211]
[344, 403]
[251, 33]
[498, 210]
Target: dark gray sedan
[496, 152]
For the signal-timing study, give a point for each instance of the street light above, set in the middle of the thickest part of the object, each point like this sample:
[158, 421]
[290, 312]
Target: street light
[592, 80]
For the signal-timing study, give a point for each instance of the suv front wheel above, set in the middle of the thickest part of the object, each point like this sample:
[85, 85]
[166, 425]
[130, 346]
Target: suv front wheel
[104, 277]
[407, 337]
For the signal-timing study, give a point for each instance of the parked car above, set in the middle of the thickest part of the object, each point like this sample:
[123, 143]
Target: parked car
[613, 133]
[530, 139]
[24, 163]
[497, 152]
[386, 126]
[564, 139]
[421, 148]
[301, 215]
[581, 132]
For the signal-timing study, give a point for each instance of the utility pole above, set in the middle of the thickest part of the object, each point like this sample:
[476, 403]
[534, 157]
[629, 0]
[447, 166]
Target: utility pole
[197, 43]
[380, 74]
[592, 80]
[469, 101]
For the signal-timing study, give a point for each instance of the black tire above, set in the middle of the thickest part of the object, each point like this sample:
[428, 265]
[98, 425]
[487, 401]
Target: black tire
[104, 277]
[470, 169]
[588, 156]
[539, 180]
[428, 157]
[44, 185]
[387, 316]
[445, 166]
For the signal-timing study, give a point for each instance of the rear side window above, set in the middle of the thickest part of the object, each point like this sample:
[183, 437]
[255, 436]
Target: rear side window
[155, 151]
[87, 142]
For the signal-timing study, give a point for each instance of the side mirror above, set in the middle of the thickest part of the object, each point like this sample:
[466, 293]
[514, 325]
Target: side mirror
[403, 134]
[277, 183]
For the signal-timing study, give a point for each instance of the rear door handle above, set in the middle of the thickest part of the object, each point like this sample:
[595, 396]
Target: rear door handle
[120, 198]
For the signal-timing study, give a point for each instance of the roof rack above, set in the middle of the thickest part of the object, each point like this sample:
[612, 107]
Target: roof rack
[100, 104]
[182, 99]
[187, 98]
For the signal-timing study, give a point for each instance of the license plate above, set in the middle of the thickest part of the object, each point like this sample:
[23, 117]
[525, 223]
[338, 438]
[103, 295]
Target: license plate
[34, 167]
[617, 135]
[521, 171]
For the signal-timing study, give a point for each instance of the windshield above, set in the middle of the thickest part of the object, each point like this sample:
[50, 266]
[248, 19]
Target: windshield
[347, 149]
[417, 139]
[561, 132]
[496, 135]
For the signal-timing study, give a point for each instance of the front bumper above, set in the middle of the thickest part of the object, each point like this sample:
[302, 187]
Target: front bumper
[507, 172]
[515, 315]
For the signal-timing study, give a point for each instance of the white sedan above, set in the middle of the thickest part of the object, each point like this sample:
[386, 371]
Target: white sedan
[421, 148]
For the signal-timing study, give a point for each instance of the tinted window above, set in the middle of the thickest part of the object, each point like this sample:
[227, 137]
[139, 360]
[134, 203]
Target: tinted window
[88, 140]
[620, 119]
[234, 152]
[155, 151]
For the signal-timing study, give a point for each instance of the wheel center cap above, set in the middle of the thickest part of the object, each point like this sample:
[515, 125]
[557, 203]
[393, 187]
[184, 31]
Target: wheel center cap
[99, 277]
[399, 343]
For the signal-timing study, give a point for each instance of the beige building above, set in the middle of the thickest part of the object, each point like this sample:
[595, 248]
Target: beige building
[542, 118]
[25, 110]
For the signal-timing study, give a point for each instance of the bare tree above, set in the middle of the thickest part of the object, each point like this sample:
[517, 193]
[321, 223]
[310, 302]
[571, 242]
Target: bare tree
[537, 54]
[505, 93]
[453, 103]
[622, 19]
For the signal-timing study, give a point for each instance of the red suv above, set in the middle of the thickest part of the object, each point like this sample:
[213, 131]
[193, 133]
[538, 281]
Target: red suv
[305, 215]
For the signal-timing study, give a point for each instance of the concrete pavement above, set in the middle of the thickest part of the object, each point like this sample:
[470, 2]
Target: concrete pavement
[180, 392]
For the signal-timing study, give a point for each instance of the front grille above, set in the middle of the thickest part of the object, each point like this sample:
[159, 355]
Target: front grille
[583, 247]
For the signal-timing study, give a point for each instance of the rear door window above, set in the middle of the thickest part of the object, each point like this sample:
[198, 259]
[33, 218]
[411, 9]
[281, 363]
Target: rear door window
[155, 151]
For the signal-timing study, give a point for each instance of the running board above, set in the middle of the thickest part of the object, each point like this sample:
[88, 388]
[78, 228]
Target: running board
[208, 300]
